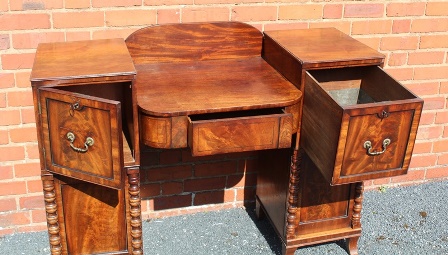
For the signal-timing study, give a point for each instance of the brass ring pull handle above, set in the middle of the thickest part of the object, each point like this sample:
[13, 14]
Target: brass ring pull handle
[71, 138]
[368, 146]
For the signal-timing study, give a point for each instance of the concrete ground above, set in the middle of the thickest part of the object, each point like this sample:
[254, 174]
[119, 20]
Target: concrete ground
[404, 220]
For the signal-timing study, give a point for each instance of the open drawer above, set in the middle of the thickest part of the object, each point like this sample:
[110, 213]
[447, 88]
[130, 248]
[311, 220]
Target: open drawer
[241, 131]
[358, 123]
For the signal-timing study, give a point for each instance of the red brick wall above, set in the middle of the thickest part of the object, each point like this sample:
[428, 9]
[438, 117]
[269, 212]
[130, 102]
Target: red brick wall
[413, 36]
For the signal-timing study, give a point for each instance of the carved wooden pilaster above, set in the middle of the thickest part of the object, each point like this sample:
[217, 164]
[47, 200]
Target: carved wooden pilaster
[293, 198]
[135, 211]
[357, 207]
[52, 216]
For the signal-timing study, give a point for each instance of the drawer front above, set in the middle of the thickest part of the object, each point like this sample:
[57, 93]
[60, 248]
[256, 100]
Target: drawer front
[376, 144]
[82, 137]
[207, 137]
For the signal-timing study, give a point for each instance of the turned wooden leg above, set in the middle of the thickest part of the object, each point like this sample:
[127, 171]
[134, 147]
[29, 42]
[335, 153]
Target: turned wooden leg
[288, 250]
[52, 215]
[135, 211]
[259, 212]
[352, 245]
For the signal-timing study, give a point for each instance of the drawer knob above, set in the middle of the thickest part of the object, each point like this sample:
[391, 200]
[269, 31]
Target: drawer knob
[368, 146]
[71, 138]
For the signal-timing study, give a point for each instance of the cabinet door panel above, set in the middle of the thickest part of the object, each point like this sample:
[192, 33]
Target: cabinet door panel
[83, 137]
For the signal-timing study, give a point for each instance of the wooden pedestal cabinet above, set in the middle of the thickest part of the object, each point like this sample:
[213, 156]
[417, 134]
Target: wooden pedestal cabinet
[89, 153]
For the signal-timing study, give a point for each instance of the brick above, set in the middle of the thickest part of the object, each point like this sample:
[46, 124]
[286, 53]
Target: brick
[33, 202]
[34, 186]
[247, 194]
[425, 58]
[17, 61]
[241, 181]
[215, 169]
[444, 87]
[78, 19]
[429, 25]
[9, 117]
[248, 166]
[8, 204]
[14, 219]
[371, 27]
[113, 3]
[6, 172]
[168, 16]
[20, 98]
[306, 11]
[171, 188]
[373, 43]
[401, 26]
[4, 42]
[424, 88]
[204, 184]
[431, 132]
[172, 2]
[77, 4]
[130, 17]
[405, 9]
[397, 59]
[437, 9]
[436, 173]
[112, 33]
[167, 157]
[440, 146]
[6, 80]
[430, 73]
[363, 10]
[7, 231]
[12, 153]
[13, 188]
[31, 40]
[170, 173]
[28, 115]
[2, 100]
[285, 26]
[3, 7]
[32, 228]
[401, 73]
[381, 181]
[211, 197]
[205, 14]
[23, 79]
[427, 118]
[26, 170]
[433, 41]
[411, 176]
[332, 11]
[24, 21]
[77, 36]
[4, 138]
[254, 13]
[399, 43]
[150, 190]
[441, 117]
[434, 103]
[25, 5]
[171, 202]
[423, 160]
[422, 147]
[445, 132]
[443, 159]
[340, 25]
[38, 216]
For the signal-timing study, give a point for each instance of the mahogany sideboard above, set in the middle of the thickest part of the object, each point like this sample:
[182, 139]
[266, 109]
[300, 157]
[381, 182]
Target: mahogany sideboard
[314, 102]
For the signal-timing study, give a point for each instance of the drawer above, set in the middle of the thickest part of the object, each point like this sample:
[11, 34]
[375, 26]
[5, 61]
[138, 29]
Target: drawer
[82, 137]
[358, 123]
[242, 131]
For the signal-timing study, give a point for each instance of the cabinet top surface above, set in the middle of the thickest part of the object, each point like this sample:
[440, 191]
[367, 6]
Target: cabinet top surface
[325, 47]
[196, 87]
[81, 59]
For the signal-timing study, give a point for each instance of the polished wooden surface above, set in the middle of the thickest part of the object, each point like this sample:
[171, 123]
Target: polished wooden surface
[58, 62]
[325, 47]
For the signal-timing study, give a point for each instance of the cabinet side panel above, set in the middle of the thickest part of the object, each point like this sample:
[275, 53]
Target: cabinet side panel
[271, 189]
[95, 219]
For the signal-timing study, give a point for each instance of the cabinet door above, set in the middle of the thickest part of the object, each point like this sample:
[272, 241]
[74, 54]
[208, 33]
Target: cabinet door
[82, 137]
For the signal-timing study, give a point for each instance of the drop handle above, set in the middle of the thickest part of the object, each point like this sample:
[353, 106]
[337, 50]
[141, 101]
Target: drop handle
[89, 142]
[368, 147]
